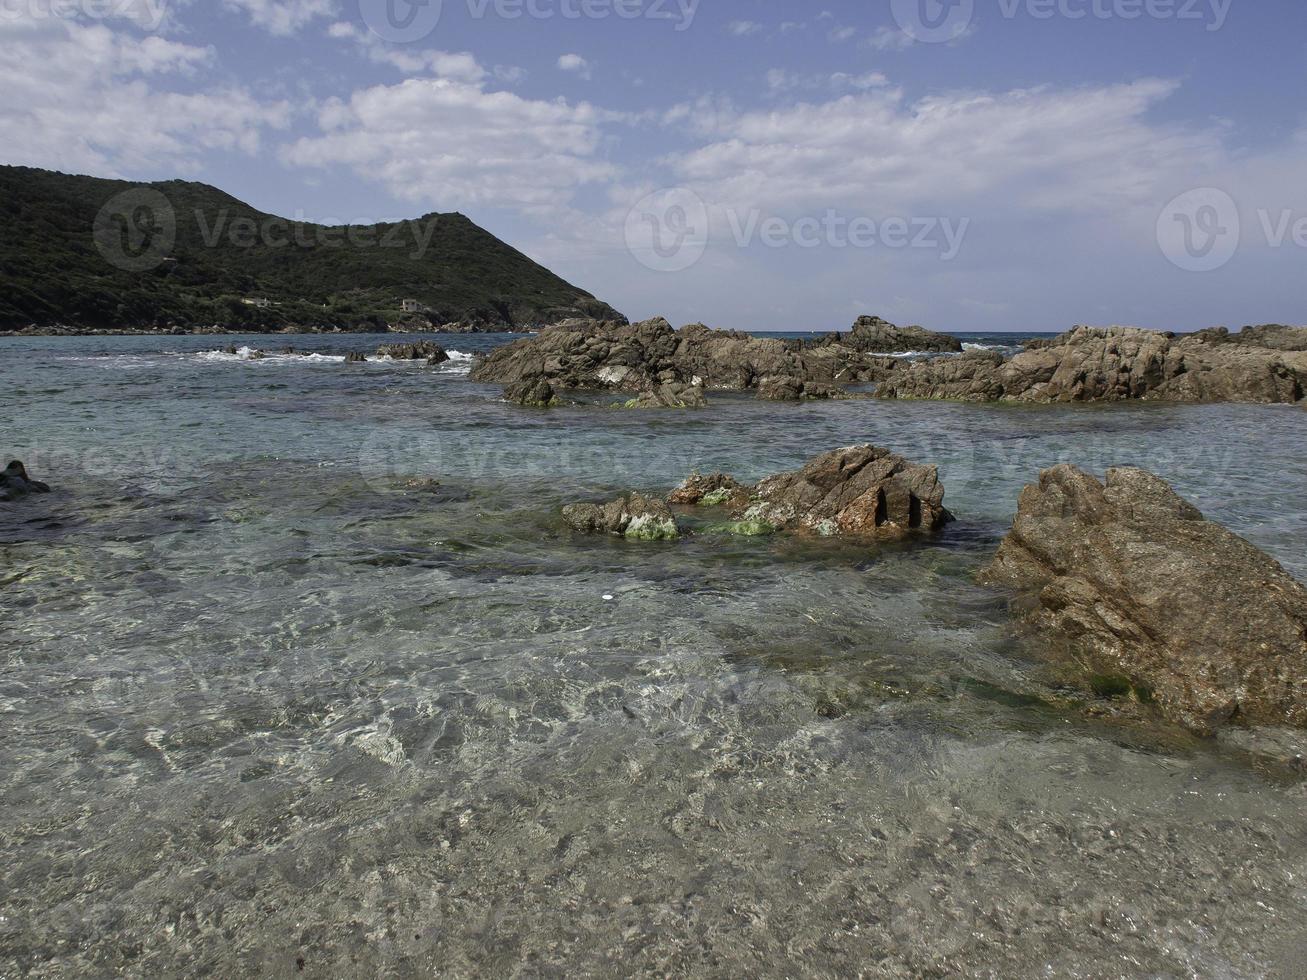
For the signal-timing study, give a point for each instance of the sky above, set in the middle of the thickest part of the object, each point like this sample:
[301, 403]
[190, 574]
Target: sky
[969, 165]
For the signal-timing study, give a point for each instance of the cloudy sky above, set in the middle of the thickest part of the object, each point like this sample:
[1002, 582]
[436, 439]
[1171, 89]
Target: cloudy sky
[755, 164]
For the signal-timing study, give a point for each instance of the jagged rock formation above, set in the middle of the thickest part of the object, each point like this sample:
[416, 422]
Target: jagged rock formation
[535, 393]
[1133, 577]
[1261, 364]
[640, 357]
[862, 490]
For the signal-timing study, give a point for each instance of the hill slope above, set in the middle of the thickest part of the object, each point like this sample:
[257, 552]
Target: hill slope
[88, 253]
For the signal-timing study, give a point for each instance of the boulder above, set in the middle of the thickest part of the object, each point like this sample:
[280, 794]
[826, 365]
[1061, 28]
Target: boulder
[536, 393]
[423, 350]
[354, 357]
[15, 483]
[1134, 578]
[860, 491]
[633, 516]
[794, 389]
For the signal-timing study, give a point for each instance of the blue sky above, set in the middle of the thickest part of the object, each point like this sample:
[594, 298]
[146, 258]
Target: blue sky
[1021, 165]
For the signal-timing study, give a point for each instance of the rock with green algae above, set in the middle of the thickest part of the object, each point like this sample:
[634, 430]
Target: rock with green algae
[670, 395]
[633, 516]
[536, 393]
[710, 490]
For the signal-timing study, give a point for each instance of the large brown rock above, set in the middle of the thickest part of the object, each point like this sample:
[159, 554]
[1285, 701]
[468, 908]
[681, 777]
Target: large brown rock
[872, 335]
[861, 491]
[1132, 577]
[1090, 364]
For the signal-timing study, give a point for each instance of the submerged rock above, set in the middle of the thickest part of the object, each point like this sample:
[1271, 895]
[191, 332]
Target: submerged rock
[1090, 364]
[670, 395]
[354, 357]
[862, 491]
[423, 350]
[536, 393]
[633, 516]
[792, 389]
[15, 483]
[1133, 576]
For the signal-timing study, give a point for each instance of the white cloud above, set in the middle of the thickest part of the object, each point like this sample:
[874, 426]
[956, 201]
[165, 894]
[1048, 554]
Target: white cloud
[574, 63]
[85, 97]
[889, 39]
[1079, 150]
[461, 65]
[283, 17]
[454, 145]
[743, 28]
[780, 80]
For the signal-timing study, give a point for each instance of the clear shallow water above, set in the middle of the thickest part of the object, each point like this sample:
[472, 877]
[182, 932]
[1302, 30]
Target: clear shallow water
[268, 697]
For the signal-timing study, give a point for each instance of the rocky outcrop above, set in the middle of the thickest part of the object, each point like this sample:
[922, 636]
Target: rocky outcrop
[354, 357]
[15, 483]
[423, 350]
[872, 335]
[1091, 364]
[633, 516]
[671, 394]
[641, 357]
[1133, 579]
[861, 491]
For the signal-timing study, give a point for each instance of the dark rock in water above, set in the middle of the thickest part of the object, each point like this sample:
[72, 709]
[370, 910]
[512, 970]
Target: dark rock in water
[712, 490]
[1131, 575]
[15, 483]
[634, 516]
[289, 350]
[1090, 364]
[793, 389]
[872, 335]
[423, 350]
[671, 395]
[354, 357]
[860, 491]
[532, 394]
[230, 349]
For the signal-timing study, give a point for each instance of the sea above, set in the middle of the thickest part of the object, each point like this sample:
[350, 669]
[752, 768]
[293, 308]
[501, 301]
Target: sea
[301, 674]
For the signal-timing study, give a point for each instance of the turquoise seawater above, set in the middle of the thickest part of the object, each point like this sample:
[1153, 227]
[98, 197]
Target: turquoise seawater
[303, 675]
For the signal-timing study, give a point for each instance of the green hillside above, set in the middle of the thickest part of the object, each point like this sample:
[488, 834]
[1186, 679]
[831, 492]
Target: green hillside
[106, 254]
